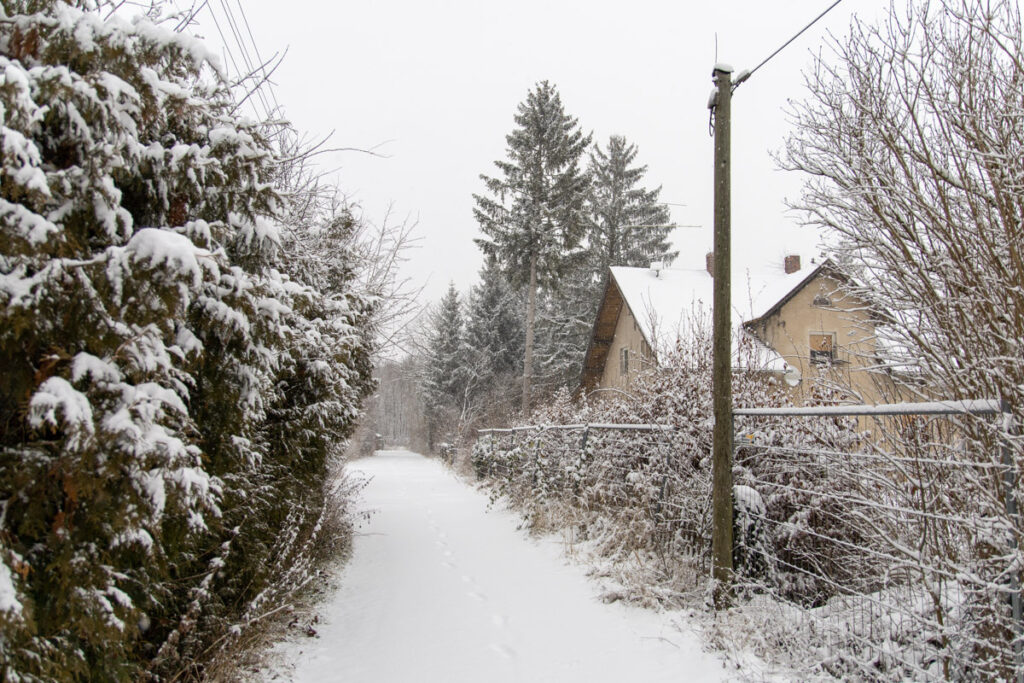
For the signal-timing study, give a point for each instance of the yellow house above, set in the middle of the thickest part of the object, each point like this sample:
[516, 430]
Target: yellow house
[804, 326]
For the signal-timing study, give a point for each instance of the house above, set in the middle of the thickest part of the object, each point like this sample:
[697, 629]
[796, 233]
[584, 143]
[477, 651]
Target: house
[798, 322]
[827, 336]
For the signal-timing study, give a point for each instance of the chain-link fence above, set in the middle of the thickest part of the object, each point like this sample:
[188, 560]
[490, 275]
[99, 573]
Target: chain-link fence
[870, 542]
[883, 540]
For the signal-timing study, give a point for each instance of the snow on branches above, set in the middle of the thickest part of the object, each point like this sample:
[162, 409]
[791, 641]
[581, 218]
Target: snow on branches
[176, 379]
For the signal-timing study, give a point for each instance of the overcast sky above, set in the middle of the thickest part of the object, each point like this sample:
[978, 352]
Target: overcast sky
[434, 86]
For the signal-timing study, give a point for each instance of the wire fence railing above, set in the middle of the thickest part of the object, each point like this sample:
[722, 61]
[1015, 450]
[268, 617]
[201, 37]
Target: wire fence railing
[875, 543]
[893, 531]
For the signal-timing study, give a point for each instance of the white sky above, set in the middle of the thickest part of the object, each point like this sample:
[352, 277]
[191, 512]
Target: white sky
[438, 83]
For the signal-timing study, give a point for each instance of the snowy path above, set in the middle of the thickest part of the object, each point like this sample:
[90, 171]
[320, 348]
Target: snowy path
[441, 589]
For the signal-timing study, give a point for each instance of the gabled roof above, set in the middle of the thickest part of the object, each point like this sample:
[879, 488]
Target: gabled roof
[664, 302]
[827, 267]
[602, 334]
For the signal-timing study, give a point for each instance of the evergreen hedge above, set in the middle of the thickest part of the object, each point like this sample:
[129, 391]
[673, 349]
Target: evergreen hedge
[179, 358]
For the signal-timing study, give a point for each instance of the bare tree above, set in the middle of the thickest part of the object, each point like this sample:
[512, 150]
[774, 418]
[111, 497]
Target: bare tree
[914, 137]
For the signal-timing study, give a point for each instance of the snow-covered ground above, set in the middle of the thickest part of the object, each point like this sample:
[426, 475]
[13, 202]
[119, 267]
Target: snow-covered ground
[441, 588]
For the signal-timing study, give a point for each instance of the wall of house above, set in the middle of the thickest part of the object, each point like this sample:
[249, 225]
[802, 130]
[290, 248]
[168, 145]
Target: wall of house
[789, 331]
[627, 336]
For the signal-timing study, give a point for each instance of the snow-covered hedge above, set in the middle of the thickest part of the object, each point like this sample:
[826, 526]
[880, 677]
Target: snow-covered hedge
[174, 376]
[864, 548]
[652, 486]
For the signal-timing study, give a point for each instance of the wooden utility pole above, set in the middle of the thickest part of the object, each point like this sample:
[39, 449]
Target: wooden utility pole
[721, 533]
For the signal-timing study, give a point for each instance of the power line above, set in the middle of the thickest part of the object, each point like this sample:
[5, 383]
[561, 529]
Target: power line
[227, 51]
[744, 76]
[256, 49]
[250, 65]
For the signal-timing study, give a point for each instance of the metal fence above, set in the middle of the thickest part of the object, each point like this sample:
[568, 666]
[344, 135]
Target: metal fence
[870, 542]
[882, 540]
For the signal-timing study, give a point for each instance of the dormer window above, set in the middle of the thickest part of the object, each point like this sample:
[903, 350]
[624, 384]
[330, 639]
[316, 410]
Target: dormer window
[823, 347]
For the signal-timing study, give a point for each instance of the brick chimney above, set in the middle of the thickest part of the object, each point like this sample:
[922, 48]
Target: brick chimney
[709, 263]
[792, 263]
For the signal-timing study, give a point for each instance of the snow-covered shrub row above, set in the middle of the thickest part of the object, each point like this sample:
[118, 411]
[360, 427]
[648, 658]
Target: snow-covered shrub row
[647, 490]
[844, 525]
[177, 366]
[885, 541]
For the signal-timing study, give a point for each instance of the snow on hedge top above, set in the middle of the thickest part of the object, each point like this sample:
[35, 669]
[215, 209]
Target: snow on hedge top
[86, 27]
[664, 300]
[163, 248]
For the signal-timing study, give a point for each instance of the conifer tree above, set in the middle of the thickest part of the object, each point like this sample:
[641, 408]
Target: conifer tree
[494, 340]
[627, 226]
[445, 373]
[173, 382]
[564, 323]
[533, 216]
[494, 325]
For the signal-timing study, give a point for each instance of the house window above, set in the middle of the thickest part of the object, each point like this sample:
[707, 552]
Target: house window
[823, 347]
[822, 301]
[624, 362]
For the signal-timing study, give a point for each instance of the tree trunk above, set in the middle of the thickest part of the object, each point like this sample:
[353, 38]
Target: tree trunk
[531, 312]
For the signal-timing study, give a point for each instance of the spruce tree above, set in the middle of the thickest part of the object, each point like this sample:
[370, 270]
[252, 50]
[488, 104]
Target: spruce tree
[494, 325]
[627, 225]
[445, 372]
[494, 341]
[533, 216]
[564, 324]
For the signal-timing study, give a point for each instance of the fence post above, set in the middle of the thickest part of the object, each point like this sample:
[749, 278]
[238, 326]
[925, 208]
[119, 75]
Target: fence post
[536, 458]
[1010, 479]
[667, 463]
[492, 459]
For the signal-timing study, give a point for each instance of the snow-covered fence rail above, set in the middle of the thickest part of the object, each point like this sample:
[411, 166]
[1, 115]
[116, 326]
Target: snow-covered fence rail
[629, 480]
[886, 547]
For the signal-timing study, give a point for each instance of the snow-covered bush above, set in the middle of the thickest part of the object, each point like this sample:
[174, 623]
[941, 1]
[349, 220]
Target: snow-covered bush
[883, 542]
[753, 553]
[650, 490]
[911, 139]
[176, 370]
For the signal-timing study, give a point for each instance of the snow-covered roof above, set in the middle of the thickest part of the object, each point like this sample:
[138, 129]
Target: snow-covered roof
[662, 301]
[666, 301]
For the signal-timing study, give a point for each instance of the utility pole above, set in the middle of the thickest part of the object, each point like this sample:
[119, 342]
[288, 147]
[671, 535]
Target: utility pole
[721, 533]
